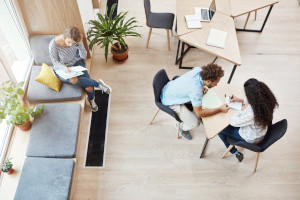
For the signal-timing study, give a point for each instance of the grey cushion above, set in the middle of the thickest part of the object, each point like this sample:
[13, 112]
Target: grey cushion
[40, 48]
[54, 133]
[38, 92]
[45, 179]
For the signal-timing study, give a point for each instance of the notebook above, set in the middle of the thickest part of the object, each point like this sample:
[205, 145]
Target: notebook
[217, 38]
[75, 71]
[233, 105]
[211, 100]
[193, 21]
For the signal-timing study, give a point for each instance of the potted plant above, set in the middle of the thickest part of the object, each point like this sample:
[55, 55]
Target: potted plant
[7, 166]
[107, 30]
[11, 106]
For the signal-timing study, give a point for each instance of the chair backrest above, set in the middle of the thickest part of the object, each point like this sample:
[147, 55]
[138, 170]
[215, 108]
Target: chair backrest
[275, 132]
[147, 7]
[159, 81]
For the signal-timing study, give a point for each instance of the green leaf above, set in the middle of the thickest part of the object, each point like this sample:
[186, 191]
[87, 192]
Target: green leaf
[20, 91]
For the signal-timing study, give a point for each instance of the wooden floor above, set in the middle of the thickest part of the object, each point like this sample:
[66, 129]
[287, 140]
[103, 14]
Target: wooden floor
[149, 162]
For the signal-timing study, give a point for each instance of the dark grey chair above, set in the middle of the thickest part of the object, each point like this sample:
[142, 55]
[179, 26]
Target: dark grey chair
[159, 81]
[275, 132]
[158, 20]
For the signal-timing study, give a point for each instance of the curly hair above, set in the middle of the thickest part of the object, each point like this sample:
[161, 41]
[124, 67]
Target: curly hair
[73, 33]
[212, 72]
[262, 101]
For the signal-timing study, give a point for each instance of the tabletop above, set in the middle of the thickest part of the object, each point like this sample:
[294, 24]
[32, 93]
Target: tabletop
[214, 124]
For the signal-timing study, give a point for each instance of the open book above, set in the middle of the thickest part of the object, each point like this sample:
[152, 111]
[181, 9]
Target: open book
[75, 71]
[217, 38]
[193, 21]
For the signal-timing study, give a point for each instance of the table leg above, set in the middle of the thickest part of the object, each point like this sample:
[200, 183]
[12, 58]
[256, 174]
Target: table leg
[231, 75]
[204, 147]
[215, 59]
[178, 47]
[262, 28]
[183, 52]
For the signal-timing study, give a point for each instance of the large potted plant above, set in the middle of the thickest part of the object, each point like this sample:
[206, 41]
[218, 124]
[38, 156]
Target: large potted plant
[108, 30]
[7, 166]
[11, 106]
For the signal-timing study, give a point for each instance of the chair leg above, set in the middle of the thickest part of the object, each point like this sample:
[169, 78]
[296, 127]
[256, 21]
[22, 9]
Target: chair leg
[150, 31]
[256, 161]
[168, 35]
[154, 116]
[178, 128]
[246, 21]
[255, 15]
[228, 149]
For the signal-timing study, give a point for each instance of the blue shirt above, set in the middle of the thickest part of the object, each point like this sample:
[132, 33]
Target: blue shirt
[186, 88]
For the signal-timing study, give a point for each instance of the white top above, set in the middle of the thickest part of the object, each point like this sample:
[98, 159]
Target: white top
[248, 130]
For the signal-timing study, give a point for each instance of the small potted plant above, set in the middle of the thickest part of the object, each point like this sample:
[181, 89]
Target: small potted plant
[11, 106]
[7, 166]
[107, 30]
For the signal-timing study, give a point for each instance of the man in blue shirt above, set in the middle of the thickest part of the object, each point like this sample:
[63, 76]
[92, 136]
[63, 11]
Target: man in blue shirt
[190, 87]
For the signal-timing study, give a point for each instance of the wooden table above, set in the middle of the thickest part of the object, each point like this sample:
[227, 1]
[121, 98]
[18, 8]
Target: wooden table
[226, 10]
[196, 38]
[242, 7]
[214, 124]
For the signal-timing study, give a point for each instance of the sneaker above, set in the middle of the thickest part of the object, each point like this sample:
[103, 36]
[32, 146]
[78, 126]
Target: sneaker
[239, 156]
[93, 105]
[102, 86]
[185, 134]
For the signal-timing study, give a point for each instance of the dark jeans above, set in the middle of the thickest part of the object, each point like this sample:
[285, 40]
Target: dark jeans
[232, 132]
[84, 81]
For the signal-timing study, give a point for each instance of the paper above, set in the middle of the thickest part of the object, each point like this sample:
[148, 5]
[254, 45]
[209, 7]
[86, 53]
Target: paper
[217, 38]
[193, 21]
[198, 11]
[211, 100]
[234, 105]
[75, 71]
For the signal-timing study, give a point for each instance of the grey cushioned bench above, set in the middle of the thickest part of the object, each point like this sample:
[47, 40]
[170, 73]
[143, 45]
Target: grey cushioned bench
[45, 179]
[38, 92]
[54, 133]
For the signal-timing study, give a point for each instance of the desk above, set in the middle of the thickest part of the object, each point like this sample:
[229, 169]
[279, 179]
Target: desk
[242, 7]
[226, 10]
[197, 37]
[214, 124]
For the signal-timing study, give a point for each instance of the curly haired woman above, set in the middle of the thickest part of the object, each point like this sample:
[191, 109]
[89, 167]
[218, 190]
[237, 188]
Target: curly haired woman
[251, 123]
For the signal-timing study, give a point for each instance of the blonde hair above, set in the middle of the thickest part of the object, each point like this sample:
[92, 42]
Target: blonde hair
[73, 33]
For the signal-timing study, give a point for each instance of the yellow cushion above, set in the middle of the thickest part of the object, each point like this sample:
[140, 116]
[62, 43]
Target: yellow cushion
[47, 77]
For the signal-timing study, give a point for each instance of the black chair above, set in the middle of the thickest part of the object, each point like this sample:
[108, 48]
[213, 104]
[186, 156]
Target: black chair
[159, 81]
[275, 132]
[158, 20]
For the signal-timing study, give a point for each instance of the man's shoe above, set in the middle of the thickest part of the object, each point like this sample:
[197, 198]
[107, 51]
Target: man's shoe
[239, 156]
[93, 105]
[103, 87]
[185, 134]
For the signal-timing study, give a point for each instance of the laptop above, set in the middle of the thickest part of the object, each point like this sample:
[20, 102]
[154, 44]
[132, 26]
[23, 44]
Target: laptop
[206, 13]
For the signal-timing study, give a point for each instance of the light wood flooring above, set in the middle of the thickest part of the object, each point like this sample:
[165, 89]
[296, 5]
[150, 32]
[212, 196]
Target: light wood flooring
[149, 162]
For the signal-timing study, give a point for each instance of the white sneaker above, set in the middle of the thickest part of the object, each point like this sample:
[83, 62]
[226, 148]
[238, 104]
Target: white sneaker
[103, 87]
[93, 105]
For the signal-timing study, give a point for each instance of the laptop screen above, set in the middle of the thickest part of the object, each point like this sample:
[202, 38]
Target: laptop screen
[212, 9]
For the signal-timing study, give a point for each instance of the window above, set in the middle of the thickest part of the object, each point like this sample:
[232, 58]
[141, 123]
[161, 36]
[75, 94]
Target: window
[15, 57]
